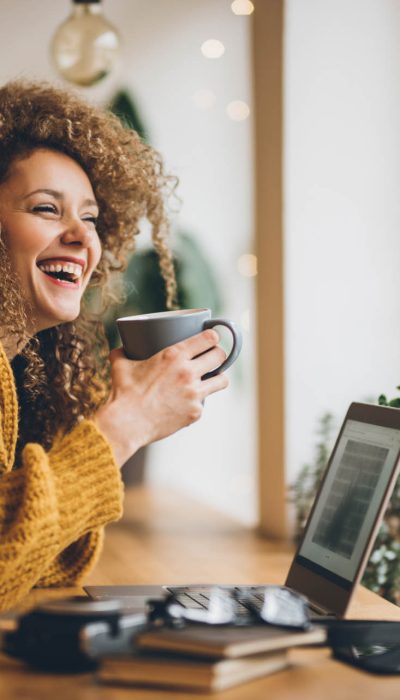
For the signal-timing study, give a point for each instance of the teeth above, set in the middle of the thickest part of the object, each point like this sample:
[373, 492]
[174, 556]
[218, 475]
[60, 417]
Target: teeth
[71, 268]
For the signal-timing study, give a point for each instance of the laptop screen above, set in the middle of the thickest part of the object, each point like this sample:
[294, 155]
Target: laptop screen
[340, 526]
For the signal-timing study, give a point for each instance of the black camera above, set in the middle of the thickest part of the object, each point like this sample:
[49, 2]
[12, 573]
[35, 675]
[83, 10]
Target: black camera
[73, 634]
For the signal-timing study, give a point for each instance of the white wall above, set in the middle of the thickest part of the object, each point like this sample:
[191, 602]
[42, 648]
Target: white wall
[342, 210]
[163, 67]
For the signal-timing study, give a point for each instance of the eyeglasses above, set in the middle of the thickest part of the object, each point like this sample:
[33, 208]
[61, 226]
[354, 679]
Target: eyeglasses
[273, 605]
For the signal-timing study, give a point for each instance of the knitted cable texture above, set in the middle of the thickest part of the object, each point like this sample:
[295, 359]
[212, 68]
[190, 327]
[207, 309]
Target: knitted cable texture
[54, 507]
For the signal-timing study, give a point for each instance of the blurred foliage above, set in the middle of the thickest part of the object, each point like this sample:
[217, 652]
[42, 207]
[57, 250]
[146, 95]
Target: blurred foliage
[302, 491]
[123, 106]
[395, 403]
[382, 574]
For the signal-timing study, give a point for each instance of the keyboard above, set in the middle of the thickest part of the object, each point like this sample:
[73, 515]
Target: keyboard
[247, 598]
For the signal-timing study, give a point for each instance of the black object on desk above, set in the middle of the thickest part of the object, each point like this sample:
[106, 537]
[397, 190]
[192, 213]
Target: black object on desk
[371, 645]
[72, 634]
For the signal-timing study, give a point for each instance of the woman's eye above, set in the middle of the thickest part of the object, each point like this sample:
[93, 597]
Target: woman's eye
[91, 219]
[46, 208]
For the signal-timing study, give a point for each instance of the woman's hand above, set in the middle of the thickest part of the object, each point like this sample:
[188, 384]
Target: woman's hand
[154, 398]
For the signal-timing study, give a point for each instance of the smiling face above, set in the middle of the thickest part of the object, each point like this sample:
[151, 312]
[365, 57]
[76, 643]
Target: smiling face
[48, 218]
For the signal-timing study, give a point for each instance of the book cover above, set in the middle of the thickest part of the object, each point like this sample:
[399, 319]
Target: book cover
[227, 641]
[166, 670]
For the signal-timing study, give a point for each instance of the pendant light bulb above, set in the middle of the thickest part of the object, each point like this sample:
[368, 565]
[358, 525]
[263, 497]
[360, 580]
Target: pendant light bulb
[85, 48]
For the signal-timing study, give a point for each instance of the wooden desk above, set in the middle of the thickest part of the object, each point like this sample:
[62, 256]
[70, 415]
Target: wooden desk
[164, 538]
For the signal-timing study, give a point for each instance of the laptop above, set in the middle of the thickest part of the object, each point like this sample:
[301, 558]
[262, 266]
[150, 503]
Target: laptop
[340, 530]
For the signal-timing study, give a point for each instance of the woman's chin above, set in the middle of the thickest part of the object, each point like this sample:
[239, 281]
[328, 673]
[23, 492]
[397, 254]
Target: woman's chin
[57, 317]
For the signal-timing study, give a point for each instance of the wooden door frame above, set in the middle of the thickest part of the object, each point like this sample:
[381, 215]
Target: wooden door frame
[268, 67]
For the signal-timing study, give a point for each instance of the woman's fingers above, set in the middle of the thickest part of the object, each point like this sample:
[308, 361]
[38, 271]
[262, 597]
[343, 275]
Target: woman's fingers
[217, 383]
[197, 344]
[209, 360]
[195, 357]
[189, 348]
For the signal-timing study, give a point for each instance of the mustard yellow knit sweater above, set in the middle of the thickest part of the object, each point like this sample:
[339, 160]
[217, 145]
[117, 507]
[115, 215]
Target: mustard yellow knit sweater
[53, 508]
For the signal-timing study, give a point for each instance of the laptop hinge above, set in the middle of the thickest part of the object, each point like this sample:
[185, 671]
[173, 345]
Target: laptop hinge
[319, 609]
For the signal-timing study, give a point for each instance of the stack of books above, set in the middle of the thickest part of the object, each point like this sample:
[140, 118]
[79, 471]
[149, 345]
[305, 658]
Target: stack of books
[205, 658]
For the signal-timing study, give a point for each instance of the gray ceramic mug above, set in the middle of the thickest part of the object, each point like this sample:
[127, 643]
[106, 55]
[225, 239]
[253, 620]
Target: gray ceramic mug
[144, 335]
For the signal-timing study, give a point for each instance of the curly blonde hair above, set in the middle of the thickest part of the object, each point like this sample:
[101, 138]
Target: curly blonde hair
[62, 373]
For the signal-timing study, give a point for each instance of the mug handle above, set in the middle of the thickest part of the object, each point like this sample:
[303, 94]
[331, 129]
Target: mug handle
[236, 347]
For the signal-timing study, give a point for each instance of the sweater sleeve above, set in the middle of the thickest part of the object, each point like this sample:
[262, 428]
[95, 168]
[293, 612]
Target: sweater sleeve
[52, 512]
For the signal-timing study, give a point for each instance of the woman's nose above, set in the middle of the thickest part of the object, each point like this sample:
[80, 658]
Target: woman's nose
[77, 233]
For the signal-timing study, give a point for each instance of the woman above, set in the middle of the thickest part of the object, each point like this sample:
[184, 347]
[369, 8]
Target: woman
[74, 185]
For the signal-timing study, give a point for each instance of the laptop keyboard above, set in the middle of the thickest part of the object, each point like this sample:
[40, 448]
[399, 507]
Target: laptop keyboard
[199, 596]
